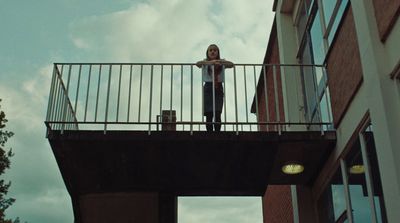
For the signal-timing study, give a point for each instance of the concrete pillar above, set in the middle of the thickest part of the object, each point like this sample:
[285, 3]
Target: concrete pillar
[167, 208]
[378, 60]
[305, 205]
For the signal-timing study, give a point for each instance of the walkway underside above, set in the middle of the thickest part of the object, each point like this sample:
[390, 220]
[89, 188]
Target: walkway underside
[212, 164]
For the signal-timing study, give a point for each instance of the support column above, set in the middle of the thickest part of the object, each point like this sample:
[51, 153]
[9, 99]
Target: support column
[305, 205]
[378, 60]
[128, 207]
[167, 208]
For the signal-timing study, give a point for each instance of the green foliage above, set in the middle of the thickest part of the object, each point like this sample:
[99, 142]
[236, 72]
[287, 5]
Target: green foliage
[4, 164]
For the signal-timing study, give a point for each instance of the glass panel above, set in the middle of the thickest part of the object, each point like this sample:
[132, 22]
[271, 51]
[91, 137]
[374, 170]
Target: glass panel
[375, 173]
[325, 110]
[317, 41]
[357, 185]
[328, 6]
[313, 53]
[332, 203]
[337, 20]
[301, 25]
[308, 78]
[309, 3]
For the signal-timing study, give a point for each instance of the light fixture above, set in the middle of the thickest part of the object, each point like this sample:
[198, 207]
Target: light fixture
[292, 168]
[357, 169]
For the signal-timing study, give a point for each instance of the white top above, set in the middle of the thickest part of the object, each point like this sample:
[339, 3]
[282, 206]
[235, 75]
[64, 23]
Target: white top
[208, 78]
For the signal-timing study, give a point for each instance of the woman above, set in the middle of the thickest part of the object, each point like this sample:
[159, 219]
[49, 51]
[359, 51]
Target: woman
[213, 75]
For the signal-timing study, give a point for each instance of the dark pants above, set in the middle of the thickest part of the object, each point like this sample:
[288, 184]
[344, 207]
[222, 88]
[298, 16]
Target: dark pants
[217, 120]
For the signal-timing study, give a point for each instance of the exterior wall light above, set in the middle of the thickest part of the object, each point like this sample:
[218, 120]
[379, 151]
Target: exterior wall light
[292, 168]
[357, 169]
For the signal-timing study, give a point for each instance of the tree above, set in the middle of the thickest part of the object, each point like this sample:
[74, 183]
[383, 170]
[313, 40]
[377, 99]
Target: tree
[4, 164]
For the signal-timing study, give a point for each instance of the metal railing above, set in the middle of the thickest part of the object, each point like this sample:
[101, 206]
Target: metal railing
[133, 96]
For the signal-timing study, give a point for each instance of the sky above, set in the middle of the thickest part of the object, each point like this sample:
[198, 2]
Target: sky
[36, 34]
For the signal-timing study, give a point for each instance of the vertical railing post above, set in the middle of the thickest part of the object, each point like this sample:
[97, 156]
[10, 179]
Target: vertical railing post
[256, 96]
[213, 94]
[140, 91]
[65, 106]
[245, 95]
[57, 114]
[202, 95]
[266, 95]
[161, 89]
[277, 110]
[151, 96]
[172, 87]
[183, 126]
[51, 95]
[77, 90]
[236, 109]
[327, 99]
[98, 93]
[87, 92]
[119, 91]
[224, 98]
[50, 108]
[317, 97]
[191, 99]
[129, 93]
[304, 89]
[108, 99]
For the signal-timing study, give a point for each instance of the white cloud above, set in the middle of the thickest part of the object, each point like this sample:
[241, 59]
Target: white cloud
[177, 31]
[219, 209]
[149, 31]
[36, 181]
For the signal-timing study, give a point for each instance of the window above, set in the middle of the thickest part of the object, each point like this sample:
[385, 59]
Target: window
[314, 79]
[360, 182]
[333, 11]
[332, 203]
[316, 27]
[358, 186]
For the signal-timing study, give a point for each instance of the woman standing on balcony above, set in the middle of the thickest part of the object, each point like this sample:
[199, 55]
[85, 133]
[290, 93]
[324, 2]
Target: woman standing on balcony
[213, 75]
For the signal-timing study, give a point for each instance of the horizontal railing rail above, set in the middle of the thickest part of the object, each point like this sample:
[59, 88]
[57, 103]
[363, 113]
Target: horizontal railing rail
[147, 96]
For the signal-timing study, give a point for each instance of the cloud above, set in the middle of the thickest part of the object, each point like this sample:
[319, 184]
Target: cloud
[176, 31]
[147, 31]
[219, 209]
[37, 185]
[152, 31]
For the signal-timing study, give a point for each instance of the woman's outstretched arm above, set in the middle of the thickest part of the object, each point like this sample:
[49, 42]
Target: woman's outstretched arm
[226, 63]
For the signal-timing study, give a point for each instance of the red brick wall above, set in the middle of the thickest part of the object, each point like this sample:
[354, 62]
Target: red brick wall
[272, 57]
[277, 204]
[386, 13]
[344, 67]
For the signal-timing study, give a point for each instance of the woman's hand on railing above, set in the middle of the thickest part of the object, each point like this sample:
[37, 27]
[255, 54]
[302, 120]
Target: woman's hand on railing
[227, 64]
[199, 64]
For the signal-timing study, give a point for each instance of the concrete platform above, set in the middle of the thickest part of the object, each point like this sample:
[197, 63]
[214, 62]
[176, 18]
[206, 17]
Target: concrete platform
[178, 163]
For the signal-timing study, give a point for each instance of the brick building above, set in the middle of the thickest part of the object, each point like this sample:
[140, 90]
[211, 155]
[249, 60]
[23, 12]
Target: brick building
[358, 42]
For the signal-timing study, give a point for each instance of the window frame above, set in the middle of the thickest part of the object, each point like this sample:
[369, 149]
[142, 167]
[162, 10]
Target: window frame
[359, 134]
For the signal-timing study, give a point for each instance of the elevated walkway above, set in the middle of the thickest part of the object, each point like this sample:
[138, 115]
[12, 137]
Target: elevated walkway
[130, 138]
[210, 164]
